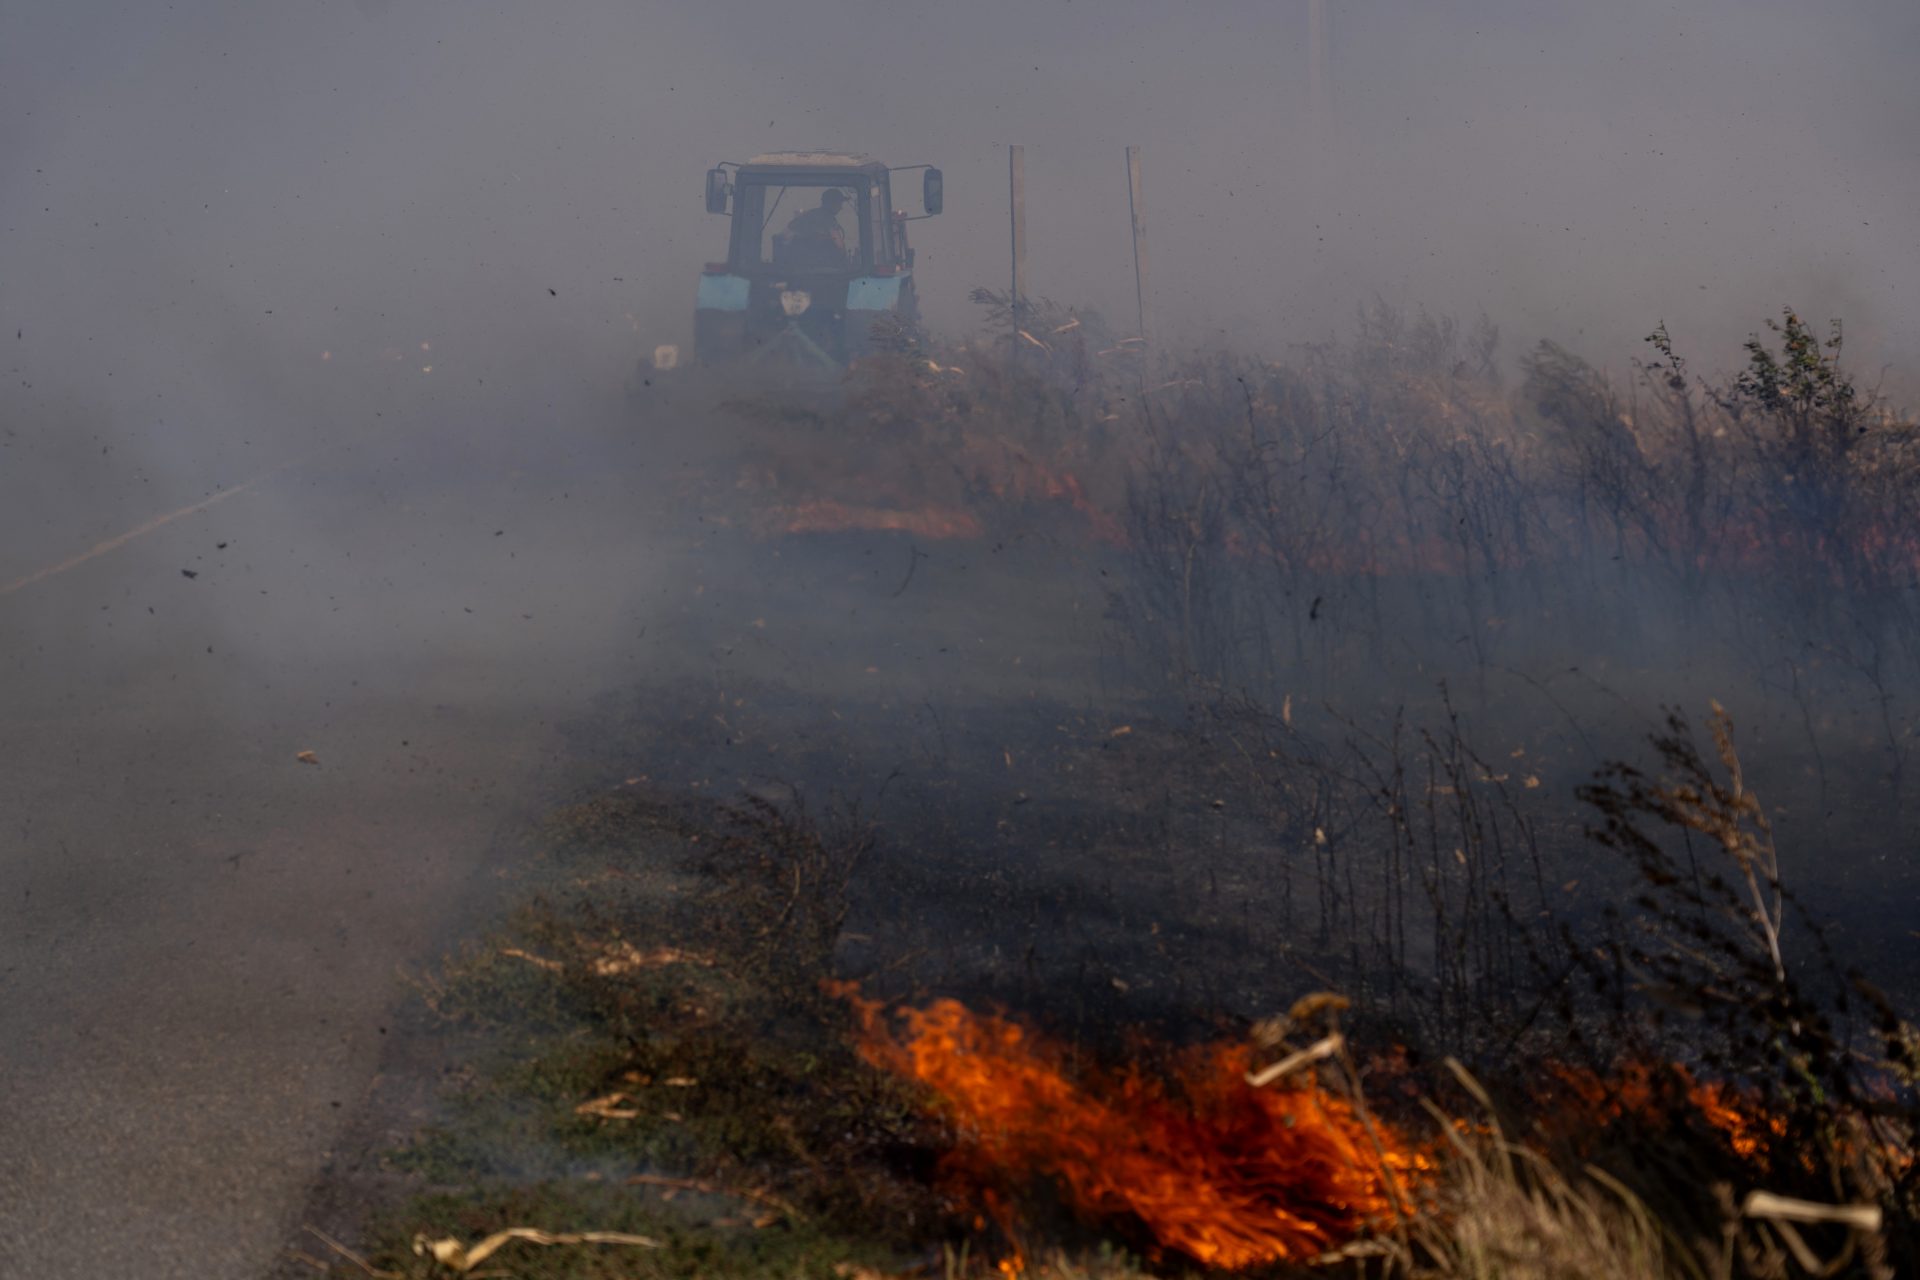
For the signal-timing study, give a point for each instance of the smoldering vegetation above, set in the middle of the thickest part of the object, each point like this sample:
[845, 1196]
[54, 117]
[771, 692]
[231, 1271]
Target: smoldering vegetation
[1561, 725]
[1392, 509]
[1387, 604]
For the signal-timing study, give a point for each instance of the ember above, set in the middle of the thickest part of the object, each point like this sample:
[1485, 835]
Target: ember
[1226, 1174]
[1663, 1092]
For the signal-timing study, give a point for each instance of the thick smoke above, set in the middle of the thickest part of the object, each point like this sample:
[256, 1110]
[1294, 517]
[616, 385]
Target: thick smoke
[391, 264]
[380, 174]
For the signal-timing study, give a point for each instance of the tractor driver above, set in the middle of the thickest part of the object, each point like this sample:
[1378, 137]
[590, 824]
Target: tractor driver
[813, 231]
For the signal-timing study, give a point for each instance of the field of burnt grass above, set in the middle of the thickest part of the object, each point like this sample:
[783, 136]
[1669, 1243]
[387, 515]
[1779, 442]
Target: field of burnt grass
[776, 1040]
[1363, 907]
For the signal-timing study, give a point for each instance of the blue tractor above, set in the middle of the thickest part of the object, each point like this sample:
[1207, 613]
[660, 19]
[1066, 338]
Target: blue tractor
[818, 269]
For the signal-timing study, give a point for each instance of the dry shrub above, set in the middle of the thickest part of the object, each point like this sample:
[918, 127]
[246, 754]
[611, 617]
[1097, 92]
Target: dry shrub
[1388, 502]
[1385, 507]
[1705, 965]
[779, 889]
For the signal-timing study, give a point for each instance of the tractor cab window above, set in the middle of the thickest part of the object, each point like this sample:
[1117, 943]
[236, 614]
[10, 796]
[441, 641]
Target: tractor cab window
[804, 226]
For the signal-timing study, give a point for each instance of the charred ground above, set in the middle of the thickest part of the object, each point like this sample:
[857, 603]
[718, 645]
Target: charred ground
[1141, 701]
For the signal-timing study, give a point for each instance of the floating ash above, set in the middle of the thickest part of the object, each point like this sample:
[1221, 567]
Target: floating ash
[1210, 1167]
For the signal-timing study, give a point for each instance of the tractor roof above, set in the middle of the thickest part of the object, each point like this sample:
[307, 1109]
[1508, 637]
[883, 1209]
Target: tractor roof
[814, 160]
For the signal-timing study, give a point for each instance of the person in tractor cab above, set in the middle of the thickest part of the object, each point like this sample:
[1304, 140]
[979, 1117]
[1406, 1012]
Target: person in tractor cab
[815, 235]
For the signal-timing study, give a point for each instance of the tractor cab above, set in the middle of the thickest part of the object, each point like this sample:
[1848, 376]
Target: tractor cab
[818, 267]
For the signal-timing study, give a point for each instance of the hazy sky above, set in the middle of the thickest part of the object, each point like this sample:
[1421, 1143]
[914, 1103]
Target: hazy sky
[377, 173]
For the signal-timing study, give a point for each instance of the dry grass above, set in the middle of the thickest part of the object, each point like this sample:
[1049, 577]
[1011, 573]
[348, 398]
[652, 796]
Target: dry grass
[1506, 1214]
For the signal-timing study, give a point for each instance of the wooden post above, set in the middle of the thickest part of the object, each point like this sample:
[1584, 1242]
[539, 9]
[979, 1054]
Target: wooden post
[1319, 148]
[1317, 86]
[1138, 212]
[1017, 210]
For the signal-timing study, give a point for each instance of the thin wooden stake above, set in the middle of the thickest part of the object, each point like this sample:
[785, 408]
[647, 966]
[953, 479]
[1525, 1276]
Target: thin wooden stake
[1137, 210]
[1318, 89]
[1017, 211]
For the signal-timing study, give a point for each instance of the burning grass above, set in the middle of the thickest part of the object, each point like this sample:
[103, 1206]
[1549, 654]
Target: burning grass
[667, 1038]
[1198, 1162]
[1211, 1168]
[679, 1083]
[663, 1061]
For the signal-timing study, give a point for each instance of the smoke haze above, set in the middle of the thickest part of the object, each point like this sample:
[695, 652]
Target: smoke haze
[374, 174]
[390, 264]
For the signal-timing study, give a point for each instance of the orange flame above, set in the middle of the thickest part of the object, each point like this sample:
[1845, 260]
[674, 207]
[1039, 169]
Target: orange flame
[1228, 1175]
[1660, 1090]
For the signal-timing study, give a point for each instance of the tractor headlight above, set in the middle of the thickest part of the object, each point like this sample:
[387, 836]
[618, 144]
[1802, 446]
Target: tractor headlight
[795, 301]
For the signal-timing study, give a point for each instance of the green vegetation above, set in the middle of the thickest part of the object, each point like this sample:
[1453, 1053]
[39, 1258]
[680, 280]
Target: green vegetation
[650, 1053]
